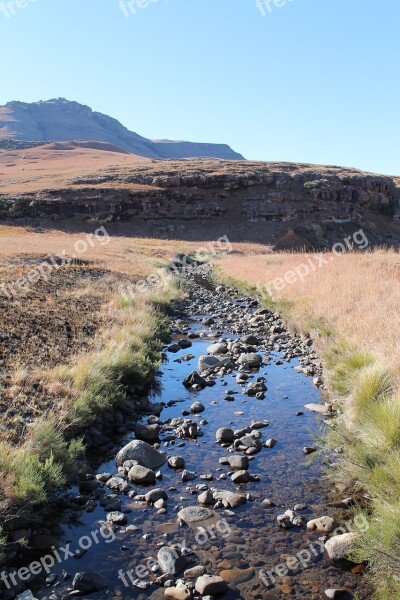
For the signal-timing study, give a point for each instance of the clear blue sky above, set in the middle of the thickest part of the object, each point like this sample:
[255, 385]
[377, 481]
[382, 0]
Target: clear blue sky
[312, 81]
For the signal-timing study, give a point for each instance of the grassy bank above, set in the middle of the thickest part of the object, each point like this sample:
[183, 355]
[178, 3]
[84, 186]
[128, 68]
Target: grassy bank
[352, 307]
[127, 351]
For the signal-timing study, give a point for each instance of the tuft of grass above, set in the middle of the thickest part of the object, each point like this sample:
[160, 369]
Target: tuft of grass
[371, 384]
[344, 364]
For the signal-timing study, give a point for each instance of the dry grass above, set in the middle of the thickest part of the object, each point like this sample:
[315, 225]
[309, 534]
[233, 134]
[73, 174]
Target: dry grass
[356, 297]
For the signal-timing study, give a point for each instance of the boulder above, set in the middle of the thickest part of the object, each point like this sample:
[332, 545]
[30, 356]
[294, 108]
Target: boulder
[141, 475]
[147, 433]
[141, 452]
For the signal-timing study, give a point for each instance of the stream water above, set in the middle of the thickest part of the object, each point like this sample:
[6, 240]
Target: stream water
[245, 543]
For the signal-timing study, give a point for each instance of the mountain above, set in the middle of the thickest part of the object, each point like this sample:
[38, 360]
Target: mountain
[61, 120]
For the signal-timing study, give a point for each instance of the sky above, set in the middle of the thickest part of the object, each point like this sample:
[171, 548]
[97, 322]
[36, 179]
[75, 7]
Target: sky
[313, 81]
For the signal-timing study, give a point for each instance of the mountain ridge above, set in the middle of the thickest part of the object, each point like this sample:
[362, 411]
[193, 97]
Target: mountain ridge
[59, 119]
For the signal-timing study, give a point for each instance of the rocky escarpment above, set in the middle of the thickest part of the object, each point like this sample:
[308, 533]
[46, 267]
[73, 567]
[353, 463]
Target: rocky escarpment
[260, 201]
[62, 120]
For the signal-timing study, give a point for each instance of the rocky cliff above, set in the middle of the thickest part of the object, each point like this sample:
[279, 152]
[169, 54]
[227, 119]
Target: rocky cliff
[288, 205]
[61, 120]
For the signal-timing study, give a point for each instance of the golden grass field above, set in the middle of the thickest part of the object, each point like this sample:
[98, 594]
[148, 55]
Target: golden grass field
[352, 306]
[355, 296]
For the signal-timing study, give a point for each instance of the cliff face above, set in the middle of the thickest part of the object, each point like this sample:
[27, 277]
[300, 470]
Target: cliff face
[249, 201]
[61, 120]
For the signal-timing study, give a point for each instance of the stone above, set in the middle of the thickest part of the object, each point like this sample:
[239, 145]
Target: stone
[178, 593]
[224, 435]
[238, 462]
[174, 348]
[176, 462]
[118, 484]
[332, 593]
[188, 475]
[267, 503]
[148, 433]
[207, 362]
[141, 475]
[290, 519]
[251, 360]
[171, 560]
[206, 498]
[259, 424]
[248, 441]
[256, 388]
[271, 443]
[141, 452]
[230, 499]
[89, 582]
[339, 547]
[321, 525]
[194, 572]
[309, 450]
[319, 408]
[211, 585]
[241, 477]
[218, 348]
[194, 514]
[250, 339]
[194, 379]
[156, 494]
[236, 576]
[116, 518]
[197, 407]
